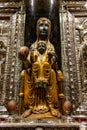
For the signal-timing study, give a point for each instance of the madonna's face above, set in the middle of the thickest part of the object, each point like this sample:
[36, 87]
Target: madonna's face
[43, 29]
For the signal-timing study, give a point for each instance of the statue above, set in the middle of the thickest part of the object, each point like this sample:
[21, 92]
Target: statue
[41, 80]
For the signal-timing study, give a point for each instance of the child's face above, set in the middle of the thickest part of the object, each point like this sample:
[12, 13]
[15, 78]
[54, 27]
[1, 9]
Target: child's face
[41, 47]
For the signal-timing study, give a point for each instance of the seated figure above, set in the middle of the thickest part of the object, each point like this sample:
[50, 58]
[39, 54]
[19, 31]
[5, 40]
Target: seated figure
[40, 80]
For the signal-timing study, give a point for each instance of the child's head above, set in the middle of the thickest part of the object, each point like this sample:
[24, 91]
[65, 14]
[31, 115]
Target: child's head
[41, 47]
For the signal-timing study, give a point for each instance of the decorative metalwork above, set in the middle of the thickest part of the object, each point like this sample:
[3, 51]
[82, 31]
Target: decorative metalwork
[20, 42]
[69, 57]
[2, 62]
[16, 64]
[5, 24]
[81, 48]
[12, 34]
[75, 33]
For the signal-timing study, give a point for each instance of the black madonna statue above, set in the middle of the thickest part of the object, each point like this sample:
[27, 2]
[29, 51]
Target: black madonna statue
[41, 81]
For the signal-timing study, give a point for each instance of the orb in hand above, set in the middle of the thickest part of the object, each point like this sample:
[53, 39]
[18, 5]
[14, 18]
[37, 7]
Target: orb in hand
[11, 106]
[23, 52]
[67, 106]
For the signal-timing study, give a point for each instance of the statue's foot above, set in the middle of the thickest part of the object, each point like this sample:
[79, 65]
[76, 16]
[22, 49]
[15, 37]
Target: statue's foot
[55, 112]
[26, 113]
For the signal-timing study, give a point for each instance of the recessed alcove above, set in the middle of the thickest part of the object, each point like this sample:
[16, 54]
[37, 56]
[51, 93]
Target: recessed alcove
[18, 20]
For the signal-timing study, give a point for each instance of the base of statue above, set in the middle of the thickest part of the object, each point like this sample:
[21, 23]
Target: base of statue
[44, 115]
[43, 125]
[32, 115]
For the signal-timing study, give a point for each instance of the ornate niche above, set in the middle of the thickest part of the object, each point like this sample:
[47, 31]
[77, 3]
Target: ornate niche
[4, 34]
[12, 19]
[74, 24]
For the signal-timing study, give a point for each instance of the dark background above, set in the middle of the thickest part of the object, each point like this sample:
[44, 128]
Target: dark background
[43, 8]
